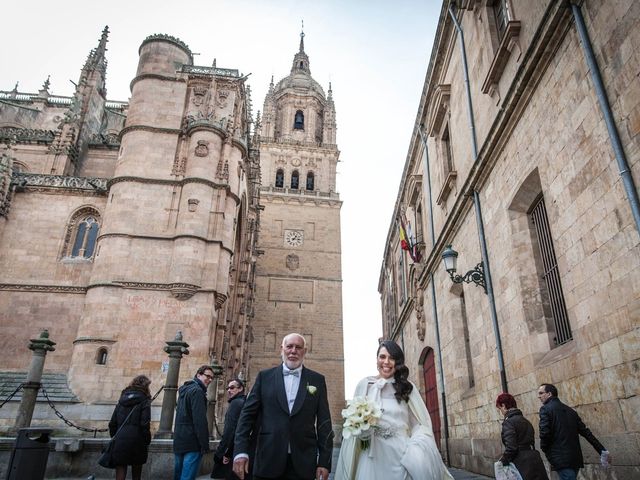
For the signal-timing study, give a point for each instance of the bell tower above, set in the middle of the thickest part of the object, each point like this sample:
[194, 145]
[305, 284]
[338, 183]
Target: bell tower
[299, 277]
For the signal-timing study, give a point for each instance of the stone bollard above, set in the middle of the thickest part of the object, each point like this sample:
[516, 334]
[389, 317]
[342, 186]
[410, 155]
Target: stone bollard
[40, 347]
[176, 348]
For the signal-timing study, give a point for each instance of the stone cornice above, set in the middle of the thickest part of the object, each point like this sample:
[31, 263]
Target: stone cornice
[175, 183]
[296, 145]
[167, 238]
[155, 76]
[93, 340]
[149, 128]
[163, 37]
[25, 287]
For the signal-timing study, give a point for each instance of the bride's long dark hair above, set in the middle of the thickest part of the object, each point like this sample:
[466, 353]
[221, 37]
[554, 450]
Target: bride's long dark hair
[402, 385]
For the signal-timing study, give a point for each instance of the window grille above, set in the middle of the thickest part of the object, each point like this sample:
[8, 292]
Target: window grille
[295, 180]
[310, 181]
[551, 275]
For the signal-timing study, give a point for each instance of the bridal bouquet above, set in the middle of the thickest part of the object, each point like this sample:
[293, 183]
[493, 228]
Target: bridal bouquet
[360, 418]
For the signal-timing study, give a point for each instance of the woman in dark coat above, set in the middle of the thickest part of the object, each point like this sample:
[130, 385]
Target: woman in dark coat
[518, 439]
[131, 446]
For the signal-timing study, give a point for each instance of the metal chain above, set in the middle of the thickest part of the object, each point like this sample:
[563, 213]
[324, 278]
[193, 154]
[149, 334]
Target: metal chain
[11, 396]
[68, 422]
[59, 414]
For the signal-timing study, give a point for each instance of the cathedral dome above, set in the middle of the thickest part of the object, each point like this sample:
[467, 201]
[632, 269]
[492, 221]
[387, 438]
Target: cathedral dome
[300, 77]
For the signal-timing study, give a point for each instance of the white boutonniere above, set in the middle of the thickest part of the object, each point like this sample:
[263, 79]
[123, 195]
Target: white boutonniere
[311, 389]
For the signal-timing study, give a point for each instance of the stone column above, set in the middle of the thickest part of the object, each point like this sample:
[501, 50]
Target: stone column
[176, 349]
[40, 347]
[212, 397]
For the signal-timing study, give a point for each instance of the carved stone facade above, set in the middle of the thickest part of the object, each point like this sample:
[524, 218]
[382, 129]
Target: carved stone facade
[299, 279]
[562, 245]
[122, 223]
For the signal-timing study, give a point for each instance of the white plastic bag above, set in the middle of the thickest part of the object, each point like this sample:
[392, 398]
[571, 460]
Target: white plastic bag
[506, 472]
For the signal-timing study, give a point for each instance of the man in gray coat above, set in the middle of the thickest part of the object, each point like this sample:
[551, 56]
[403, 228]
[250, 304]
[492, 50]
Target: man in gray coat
[191, 432]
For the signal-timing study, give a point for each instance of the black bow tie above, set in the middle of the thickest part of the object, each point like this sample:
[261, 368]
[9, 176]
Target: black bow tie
[295, 373]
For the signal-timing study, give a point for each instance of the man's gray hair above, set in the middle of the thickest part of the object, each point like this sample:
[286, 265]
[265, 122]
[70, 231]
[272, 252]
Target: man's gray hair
[304, 341]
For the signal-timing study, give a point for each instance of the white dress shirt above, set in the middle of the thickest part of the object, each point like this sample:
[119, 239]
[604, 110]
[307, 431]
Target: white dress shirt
[291, 384]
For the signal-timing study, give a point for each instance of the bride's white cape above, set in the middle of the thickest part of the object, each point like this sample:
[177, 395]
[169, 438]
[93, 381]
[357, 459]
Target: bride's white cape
[421, 458]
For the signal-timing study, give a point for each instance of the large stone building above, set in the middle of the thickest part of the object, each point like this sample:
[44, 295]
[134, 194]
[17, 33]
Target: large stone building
[522, 178]
[122, 223]
[298, 275]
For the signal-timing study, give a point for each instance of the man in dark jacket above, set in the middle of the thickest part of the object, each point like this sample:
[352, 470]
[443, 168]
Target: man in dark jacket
[191, 432]
[560, 427]
[223, 457]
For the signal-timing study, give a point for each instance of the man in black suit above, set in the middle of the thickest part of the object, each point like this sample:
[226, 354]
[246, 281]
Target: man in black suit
[289, 408]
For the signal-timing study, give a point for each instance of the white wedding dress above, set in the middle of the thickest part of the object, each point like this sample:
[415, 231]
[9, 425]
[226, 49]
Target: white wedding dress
[382, 459]
[403, 447]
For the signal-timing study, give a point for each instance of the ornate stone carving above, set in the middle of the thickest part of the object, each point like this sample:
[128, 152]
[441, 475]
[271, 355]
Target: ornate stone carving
[27, 180]
[6, 169]
[19, 287]
[221, 98]
[220, 299]
[202, 149]
[26, 135]
[293, 261]
[193, 204]
[183, 291]
[108, 140]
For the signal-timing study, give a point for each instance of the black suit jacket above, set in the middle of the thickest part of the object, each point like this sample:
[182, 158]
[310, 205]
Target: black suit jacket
[306, 430]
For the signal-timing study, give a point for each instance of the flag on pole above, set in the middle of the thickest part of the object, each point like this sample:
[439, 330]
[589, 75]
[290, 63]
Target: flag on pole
[407, 240]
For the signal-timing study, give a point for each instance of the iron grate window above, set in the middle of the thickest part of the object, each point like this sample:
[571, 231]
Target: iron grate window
[551, 275]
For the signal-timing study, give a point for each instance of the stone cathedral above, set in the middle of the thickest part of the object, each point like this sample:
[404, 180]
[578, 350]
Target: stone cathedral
[172, 217]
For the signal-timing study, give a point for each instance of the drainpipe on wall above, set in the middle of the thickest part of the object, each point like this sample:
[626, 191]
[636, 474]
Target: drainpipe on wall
[478, 209]
[443, 394]
[605, 108]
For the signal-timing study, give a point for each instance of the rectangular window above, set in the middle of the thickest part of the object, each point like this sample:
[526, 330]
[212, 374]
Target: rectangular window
[501, 13]
[550, 274]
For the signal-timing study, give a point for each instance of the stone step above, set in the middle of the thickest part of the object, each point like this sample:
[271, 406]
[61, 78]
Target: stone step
[55, 384]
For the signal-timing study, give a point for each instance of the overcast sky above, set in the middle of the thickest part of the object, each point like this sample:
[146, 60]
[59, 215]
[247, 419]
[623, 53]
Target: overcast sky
[375, 53]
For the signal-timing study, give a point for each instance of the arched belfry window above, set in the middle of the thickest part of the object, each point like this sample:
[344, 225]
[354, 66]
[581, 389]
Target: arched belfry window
[310, 179]
[298, 123]
[295, 180]
[280, 178]
[301, 65]
[82, 234]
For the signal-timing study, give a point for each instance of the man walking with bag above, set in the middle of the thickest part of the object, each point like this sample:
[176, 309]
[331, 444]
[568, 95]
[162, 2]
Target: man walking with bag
[560, 430]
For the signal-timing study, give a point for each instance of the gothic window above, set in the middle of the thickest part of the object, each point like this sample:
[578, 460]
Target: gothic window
[295, 180]
[280, 178]
[310, 180]
[546, 258]
[298, 123]
[101, 356]
[82, 234]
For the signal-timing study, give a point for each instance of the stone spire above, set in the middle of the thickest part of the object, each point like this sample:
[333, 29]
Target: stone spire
[301, 60]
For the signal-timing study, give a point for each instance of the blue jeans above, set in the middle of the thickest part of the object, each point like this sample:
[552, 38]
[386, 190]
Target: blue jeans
[567, 474]
[186, 465]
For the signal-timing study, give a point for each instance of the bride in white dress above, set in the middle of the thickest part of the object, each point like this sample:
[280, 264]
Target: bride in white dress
[402, 446]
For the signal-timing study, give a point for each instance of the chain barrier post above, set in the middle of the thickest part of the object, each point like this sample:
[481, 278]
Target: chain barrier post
[40, 347]
[176, 349]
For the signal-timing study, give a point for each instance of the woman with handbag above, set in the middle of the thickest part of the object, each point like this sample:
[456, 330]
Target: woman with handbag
[518, 439]
[130, 428]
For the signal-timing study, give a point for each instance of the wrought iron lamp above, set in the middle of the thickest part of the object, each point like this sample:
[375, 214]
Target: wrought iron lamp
[450, 259]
